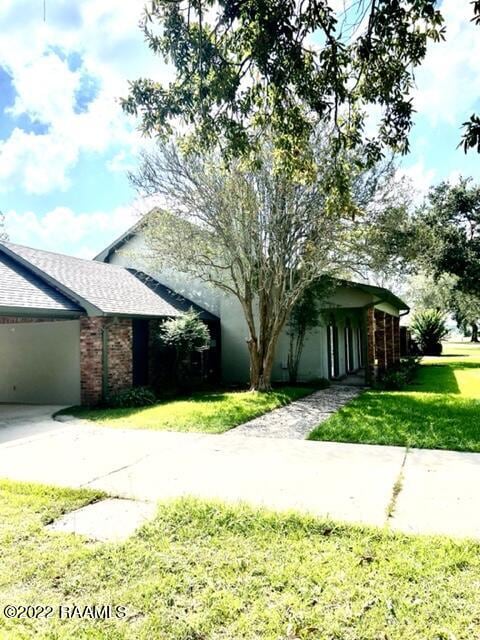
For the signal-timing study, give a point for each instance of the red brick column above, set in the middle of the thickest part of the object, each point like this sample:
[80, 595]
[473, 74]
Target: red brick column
[380, 341]
[91, 360]
[115, 365]
[370, 335]
[119, 340]
[389, 340]
[396, 339]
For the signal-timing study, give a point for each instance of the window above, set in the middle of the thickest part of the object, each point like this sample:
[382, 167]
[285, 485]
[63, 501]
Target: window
[332, 349]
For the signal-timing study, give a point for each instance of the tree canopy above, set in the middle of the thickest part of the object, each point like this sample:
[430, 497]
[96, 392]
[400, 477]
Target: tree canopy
[258, 235]
[243, 65]
[471, 134]
[451, 221]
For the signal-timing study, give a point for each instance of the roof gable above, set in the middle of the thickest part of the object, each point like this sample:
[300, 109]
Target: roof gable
[21, 290]
[101, 289]
[95, 287]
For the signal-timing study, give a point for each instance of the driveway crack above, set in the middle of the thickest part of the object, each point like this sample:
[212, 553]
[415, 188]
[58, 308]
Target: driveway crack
[122, 468]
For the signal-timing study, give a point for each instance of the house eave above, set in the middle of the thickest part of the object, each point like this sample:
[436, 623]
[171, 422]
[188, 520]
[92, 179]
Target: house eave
[36, 312]
[88, 307]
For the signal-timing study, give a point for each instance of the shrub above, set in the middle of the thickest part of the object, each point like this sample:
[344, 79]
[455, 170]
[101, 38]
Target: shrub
[429, 329]
[186, 335]
[134, 397]
[400, 375]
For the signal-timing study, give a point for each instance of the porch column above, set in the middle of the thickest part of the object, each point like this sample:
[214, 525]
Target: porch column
[396, 338]
[389, 340]
[370, 346]
[380, 342]
[91, 360]
[105, 357]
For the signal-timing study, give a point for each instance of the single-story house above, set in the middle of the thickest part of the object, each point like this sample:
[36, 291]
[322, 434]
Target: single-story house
[74, 330]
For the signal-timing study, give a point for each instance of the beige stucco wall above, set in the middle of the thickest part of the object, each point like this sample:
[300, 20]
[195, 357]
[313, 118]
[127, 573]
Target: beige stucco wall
[314, 360]
[40, 362]
[134, 255]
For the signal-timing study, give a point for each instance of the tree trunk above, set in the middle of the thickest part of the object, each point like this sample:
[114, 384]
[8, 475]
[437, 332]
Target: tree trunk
[474, 332]
[261, 364]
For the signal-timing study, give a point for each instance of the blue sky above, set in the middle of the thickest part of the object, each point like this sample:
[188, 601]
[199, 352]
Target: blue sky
[65, 145]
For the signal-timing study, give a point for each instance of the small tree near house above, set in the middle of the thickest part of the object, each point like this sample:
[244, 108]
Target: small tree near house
[304, 317]
[186, 334]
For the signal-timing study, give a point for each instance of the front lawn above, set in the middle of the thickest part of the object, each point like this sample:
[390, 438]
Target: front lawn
[205, 571]
[213, 412]
[440, 410]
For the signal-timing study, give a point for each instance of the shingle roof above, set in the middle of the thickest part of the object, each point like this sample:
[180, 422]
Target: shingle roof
[181, 304]
[109, 289]
[20, 289]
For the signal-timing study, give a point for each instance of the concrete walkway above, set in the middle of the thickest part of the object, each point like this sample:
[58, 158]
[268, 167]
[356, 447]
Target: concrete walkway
[296, 420]
[354, 483]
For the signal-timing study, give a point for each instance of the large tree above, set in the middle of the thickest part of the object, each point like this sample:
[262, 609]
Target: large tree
[242, 65]
[257, 234]
[450, 226]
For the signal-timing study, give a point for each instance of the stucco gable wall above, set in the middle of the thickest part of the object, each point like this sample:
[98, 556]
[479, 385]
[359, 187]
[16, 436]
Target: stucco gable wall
[134, 254]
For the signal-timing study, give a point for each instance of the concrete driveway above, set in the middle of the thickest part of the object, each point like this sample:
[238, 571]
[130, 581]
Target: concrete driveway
[25, 420]
[348, 482]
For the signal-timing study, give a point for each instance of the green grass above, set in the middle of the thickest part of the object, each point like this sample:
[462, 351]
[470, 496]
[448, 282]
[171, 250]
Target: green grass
[202, 571]
[440, 410]
[213, 412]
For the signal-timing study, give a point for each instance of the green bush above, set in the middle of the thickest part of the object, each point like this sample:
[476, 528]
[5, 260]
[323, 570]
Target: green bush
[397, 377]
[187, 335]
[429, 329]
[134, 397]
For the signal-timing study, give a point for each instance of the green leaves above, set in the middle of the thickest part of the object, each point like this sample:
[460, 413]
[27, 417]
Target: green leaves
[429, 328]
[186, 333]
[453, 218]
[243, 67]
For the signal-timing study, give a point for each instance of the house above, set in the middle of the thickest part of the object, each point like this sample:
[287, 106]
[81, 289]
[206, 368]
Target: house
[73, 330]
[359, 330]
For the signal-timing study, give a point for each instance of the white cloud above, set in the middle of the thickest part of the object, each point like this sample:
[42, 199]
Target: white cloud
[420, 178]
[66, 231]
[106, 36]
[448, 82]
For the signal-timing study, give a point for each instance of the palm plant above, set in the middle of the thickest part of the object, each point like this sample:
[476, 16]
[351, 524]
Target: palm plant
[429, 328]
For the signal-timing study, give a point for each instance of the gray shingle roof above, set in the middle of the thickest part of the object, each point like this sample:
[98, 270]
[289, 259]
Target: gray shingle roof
[20, 289]
[110, 289]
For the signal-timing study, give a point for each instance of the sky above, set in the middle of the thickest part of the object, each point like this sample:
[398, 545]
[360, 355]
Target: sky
[66, 146]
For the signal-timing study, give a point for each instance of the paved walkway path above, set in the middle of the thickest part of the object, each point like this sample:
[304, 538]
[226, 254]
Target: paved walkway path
[355, 483]
[296, 420]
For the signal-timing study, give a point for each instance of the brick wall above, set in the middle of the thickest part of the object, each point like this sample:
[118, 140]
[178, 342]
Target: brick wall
[119, 354]
[91, 360]
[389, 340]
[380, 341]
[396, 339]
[370, 363]
[119, 357]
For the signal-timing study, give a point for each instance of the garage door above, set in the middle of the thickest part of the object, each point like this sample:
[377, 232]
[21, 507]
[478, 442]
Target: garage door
[40, 362]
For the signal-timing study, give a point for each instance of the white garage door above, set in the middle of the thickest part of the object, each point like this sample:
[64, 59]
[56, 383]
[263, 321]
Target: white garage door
[40, 362]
